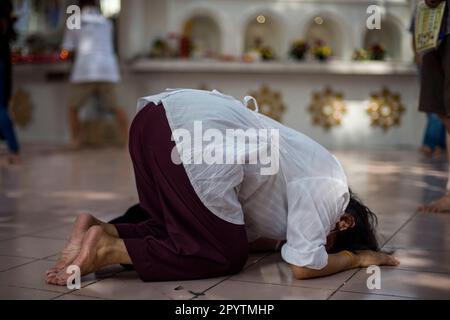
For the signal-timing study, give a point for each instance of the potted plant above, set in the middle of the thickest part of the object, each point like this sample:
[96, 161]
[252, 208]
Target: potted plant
[299, 48]
[159, 49]
[266, 53]
[360, 55]
[377, 52]
[321, 51]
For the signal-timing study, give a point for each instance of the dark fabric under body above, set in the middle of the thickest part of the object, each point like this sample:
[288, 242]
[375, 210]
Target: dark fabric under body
[181, 239]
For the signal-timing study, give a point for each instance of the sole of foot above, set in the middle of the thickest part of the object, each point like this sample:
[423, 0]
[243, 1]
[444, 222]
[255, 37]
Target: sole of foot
[441, 205]
[73, 247]
[91, 257]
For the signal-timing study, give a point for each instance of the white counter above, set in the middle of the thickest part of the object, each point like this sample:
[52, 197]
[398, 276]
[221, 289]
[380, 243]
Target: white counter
[296, 82]
[307, 67]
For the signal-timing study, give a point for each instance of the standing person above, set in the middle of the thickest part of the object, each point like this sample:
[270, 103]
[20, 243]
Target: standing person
[435, 136]
[199, 218]
[7, 35]
[96, 69]
[435, 93]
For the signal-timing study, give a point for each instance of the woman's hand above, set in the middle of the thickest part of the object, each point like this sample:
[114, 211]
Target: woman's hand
[345, 260]
[372, 258]
[433, 3]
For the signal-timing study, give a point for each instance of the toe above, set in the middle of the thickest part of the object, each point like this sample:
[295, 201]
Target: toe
[52, 270]
[61, 280]
[51, 280]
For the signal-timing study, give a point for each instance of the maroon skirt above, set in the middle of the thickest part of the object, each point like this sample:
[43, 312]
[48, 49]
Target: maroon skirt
[180, 238]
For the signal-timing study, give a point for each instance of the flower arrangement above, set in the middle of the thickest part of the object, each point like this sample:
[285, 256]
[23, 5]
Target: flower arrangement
[299, 48]
[266, 53]
[377, 52]
[321, 51]
[159, 49]
[360, 55]
[251, 56]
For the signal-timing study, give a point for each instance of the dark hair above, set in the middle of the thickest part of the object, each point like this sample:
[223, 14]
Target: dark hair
[363, 235]
[89, 3]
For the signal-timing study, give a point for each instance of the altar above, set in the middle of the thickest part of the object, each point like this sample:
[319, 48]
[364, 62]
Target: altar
[344, 91]
[329, 102]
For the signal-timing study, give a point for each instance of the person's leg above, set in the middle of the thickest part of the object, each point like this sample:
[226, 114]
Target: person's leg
[436, 127]
[122, 120]
[441, 146]
[7, 130]
[75, 127]
[134, 215]
[80, 93]
[438, 135]
[441, 205]
[428, 143]
[434, 98]
[446, 121]
[108, 99]
[6, 125]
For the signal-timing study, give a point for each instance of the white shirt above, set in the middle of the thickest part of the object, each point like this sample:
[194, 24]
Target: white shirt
[95, 58]
[301, 203]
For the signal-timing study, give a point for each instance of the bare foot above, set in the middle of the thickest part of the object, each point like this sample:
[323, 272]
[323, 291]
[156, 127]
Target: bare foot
[438, 152]
[441, 205]
[427, 151]
[73, 247]
[14, 159]
[95, 254]
[74, 145]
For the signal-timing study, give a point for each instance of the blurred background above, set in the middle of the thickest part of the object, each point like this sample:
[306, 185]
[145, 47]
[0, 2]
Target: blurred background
[313, 65]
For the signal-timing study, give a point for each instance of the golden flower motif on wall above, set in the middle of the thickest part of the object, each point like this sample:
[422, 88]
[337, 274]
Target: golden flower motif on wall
[385, 109]
[327, 108]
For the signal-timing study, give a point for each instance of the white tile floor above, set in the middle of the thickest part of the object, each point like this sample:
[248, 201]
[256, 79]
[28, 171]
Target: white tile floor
[39, 201]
